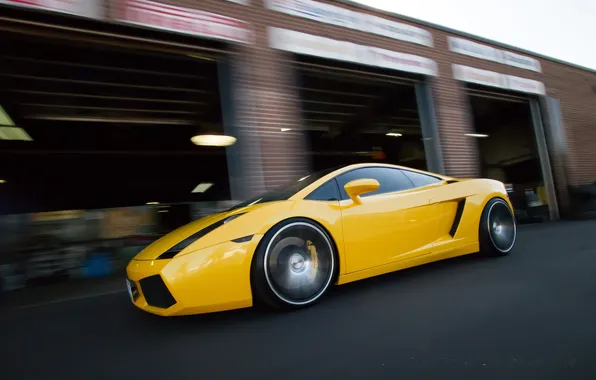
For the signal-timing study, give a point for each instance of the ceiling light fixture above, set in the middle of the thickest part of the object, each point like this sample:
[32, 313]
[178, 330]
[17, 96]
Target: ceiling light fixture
[479, 135]
[213, 140]
[202, 187]
[394, 134]
[286, 129]
[5, 119]
[2, 181]
[152, 203]
[14, 133]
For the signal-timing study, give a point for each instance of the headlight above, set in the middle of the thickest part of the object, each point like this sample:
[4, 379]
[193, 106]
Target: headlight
[170, 253]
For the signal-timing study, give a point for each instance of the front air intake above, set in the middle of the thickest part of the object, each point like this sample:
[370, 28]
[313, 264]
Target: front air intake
[156, 292]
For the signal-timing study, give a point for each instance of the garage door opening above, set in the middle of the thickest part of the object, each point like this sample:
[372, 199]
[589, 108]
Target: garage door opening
[353, 114]
[96, 150]
[505, 134]
[109, 126]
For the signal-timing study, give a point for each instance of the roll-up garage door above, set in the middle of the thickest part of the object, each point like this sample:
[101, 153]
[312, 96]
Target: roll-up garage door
[101, 114]
[509, 131]
[360, 102]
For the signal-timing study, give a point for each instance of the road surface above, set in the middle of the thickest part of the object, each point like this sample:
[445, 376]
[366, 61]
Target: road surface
[531, 315]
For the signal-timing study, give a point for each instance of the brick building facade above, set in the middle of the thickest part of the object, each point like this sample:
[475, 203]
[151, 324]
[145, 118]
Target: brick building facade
[266, 99]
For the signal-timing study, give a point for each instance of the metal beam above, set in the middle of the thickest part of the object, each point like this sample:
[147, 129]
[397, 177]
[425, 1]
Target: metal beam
[366, 75]
[102, 97]
[98, 67]
[544, 157]
[332, 92]
[429, 128]
[333, 103]
[109, 108]
[107, 84]
[105, 38]
[111, 120]
[27, 152]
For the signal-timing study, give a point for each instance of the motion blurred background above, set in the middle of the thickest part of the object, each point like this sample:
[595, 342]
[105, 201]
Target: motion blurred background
[122, 120]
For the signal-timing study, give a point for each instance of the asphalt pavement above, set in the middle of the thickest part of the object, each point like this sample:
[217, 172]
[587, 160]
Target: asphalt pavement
[531, 315]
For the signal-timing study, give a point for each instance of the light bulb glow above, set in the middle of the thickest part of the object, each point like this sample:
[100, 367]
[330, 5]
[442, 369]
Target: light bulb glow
[213, 140]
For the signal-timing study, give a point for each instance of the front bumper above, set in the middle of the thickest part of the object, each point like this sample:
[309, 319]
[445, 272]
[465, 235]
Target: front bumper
[212, 279]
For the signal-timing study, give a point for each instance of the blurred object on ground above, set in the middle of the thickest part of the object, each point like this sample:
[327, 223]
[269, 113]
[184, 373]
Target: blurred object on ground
[57, 250]
[583, 201]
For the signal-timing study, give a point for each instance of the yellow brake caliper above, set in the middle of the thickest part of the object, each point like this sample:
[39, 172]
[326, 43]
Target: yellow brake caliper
[314, 258]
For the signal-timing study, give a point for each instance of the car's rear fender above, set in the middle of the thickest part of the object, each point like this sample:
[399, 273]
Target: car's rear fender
[473, 195]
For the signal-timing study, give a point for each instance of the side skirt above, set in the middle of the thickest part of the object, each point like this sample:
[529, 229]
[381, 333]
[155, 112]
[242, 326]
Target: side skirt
[409, 263]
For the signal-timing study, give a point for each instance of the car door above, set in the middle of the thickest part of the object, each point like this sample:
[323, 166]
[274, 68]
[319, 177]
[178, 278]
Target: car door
[393, 223]
[449, 201]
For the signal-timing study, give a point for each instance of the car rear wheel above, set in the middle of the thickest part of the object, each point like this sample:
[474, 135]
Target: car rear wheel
[294, 265]
[498, 231]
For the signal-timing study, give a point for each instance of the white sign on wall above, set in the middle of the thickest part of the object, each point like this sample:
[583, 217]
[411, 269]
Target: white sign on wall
[400, 61]
[493, 79]
[489, 53]
[185, 20]
[303, 43]
[525, 85]
[521, 61]
[85, 8]
[473, 49]
[477, 76]
[396, 30]
[334, 15]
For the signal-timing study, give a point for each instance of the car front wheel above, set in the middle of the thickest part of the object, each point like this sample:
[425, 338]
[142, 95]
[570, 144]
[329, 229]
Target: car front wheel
[294, 265]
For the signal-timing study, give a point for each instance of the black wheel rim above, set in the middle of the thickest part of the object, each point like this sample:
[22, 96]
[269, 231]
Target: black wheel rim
[501, 226]
[299, 263]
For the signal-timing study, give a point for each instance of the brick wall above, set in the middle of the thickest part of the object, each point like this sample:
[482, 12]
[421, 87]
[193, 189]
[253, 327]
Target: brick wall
[266, 103]
[277, 156]
[576, 89]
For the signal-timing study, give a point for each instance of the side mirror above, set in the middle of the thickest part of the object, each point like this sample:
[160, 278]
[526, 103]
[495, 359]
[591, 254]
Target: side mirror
[357, 187]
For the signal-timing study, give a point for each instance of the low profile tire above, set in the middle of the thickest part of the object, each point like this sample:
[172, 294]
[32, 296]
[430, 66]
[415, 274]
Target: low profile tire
[498, 230]
[294, 265]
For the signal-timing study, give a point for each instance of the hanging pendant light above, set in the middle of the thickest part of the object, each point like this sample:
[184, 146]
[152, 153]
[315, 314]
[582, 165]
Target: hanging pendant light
[210, 137]
[213, 140]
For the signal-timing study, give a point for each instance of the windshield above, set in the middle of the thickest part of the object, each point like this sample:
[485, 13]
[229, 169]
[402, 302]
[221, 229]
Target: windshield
[286, 191]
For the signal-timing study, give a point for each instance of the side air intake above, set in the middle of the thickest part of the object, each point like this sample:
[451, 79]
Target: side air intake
[458, 214]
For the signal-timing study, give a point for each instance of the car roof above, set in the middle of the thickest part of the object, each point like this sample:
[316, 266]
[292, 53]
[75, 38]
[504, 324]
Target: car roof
[308, 189]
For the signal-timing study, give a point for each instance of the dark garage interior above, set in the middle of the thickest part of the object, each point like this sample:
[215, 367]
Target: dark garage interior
[508, 151]
[358, 114]
[108, 126]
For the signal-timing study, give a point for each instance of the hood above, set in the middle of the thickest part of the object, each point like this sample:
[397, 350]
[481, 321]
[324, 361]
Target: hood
[158, 247]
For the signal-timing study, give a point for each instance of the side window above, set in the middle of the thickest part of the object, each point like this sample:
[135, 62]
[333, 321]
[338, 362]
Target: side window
[419, 179]
[326, 192]
[390, 180]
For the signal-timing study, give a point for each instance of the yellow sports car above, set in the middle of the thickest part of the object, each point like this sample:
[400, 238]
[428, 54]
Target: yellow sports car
[287, 247]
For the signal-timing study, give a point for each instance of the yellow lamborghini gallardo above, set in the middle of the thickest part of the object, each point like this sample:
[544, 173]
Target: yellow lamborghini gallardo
[287, 247]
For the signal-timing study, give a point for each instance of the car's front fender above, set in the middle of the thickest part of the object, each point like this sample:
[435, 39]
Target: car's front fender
[215, 278]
